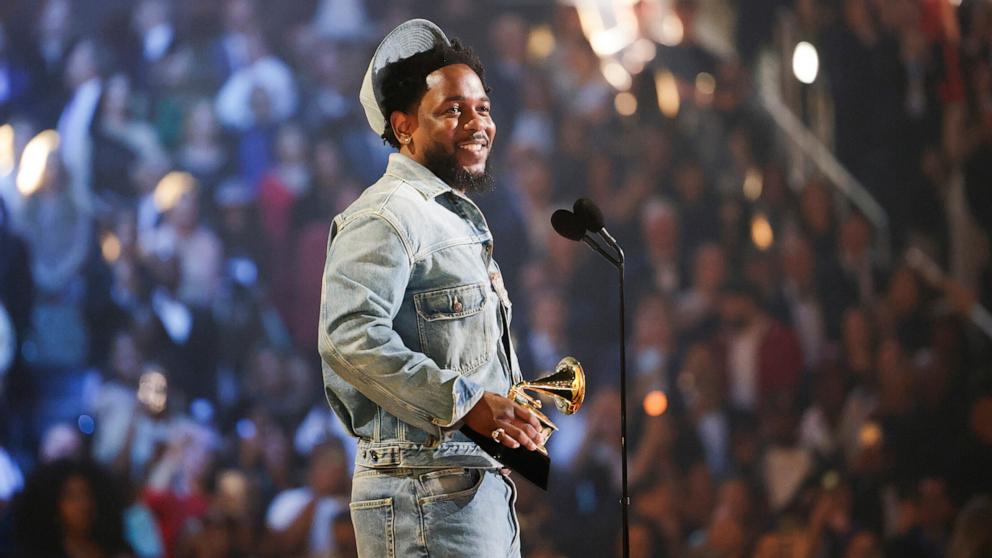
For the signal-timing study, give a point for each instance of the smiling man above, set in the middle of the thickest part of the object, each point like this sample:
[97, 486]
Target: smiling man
[414, 319]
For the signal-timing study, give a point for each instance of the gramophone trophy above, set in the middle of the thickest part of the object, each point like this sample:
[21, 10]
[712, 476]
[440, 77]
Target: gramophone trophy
[567, 388]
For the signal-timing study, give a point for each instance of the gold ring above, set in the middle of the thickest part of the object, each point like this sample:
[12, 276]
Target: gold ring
[497, 433]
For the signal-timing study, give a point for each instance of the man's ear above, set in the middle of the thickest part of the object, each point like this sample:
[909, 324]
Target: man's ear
[403, 124]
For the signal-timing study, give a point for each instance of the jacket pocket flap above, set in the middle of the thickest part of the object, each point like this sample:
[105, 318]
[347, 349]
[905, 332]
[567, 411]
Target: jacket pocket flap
[452, 303]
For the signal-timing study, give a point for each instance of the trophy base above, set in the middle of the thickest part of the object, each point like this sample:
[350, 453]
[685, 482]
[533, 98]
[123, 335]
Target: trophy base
[531, 465]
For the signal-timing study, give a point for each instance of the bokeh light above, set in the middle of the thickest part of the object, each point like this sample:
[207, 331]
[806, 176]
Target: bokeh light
[616, 75]
[34, 160]
[705, 83]
[655, 403]
[153, 390]
[6, 149]
[110, 247]
[609, 28]
[870, 435]
[644, 50]
[626, 103]
[172, 188]
[761, 232]
[668, 93]
[540, 42]
[705, 87]
[86, 424]
[805, 62]
[671, 30]
[753, 184]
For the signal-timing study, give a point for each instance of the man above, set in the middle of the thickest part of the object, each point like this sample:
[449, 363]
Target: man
[414, 318]
[763, 356]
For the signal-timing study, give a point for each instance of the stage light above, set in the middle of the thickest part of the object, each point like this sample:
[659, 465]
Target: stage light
[540, 42]
[753, 184]
[668, 93]
[638, 55]
[761, 232]
[632, 63]
[34, 159]
[644, 50]
[626, 103]
[616, 75]
[6, 149]
[609, 26]
[171, 189]
[671, 32]
[655, 403]
[805, 62]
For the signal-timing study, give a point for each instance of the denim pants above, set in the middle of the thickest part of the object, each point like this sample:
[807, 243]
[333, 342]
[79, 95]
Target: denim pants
[436, 513]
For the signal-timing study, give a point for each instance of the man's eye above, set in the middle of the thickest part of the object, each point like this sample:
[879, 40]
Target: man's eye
[453, 110]
[484, 110]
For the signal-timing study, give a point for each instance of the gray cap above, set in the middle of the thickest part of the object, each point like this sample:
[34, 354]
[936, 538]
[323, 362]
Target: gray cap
[409, 38]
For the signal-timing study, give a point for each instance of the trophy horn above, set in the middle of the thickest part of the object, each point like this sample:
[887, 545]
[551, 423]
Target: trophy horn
[566, 386]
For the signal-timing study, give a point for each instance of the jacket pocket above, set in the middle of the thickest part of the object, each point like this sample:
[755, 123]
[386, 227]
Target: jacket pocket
[373, 521]
[455, 326]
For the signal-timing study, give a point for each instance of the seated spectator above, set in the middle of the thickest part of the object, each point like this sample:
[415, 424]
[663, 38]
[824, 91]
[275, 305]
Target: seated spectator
[299, 519]
[70, 508]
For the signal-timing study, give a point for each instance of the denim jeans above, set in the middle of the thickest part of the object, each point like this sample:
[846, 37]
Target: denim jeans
[453, 512]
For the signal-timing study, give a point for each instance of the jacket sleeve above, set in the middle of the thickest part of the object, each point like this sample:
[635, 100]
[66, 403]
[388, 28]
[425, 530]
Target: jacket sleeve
[365, 277]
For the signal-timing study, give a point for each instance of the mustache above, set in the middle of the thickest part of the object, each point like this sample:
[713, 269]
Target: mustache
[478, 136]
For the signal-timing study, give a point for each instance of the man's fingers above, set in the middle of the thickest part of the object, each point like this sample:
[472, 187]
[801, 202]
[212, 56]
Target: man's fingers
[527, 415]
[514, 436]
[532, 433]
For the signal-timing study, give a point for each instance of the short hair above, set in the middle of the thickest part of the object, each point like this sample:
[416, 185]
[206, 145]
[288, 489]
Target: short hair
[404, 82]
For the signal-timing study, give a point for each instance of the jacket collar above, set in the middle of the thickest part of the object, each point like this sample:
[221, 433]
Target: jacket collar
[416, 175]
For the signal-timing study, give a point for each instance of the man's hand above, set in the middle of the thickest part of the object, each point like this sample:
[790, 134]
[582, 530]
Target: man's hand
[520, 425]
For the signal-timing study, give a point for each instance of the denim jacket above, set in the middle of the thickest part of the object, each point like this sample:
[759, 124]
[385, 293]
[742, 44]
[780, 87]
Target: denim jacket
[412, 316]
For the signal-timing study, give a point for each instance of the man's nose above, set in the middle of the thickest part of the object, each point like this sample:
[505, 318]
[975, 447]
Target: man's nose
[474, 121]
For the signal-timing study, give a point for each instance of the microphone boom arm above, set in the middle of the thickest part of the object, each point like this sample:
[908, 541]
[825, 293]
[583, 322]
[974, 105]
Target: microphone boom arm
[612, 242]
[595, 246]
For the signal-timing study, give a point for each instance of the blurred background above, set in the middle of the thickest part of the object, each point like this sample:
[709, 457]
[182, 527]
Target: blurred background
[803, 189]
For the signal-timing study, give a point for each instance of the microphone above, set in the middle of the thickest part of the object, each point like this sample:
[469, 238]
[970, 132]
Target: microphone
[568, 225]
[591, 217]
[571, 227]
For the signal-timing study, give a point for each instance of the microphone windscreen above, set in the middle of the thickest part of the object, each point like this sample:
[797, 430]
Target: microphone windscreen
[589, 214]
[567, 224]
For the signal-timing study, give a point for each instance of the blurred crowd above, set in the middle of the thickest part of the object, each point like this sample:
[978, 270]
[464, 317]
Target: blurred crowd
[795, 391]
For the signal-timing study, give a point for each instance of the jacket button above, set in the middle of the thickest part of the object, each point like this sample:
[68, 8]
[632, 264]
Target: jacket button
[457, 306]
[374, 455]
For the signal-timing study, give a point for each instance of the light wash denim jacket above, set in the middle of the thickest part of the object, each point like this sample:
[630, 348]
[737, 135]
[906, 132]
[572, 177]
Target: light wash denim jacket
[411, 322]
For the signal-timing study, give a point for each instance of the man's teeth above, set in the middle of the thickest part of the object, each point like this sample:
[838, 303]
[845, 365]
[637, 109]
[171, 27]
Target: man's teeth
[473, 147]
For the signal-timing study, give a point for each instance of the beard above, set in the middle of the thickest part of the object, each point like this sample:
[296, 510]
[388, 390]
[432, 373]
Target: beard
[445, 166]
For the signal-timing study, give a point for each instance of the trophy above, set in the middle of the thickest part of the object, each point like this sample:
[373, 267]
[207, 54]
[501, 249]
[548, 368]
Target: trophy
[566, 386]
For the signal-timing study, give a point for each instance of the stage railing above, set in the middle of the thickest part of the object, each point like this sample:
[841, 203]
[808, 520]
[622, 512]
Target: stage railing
[782, 96]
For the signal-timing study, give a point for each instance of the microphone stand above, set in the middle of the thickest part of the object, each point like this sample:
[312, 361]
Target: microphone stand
[573, 227]
[618, 263]
[625, 495]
